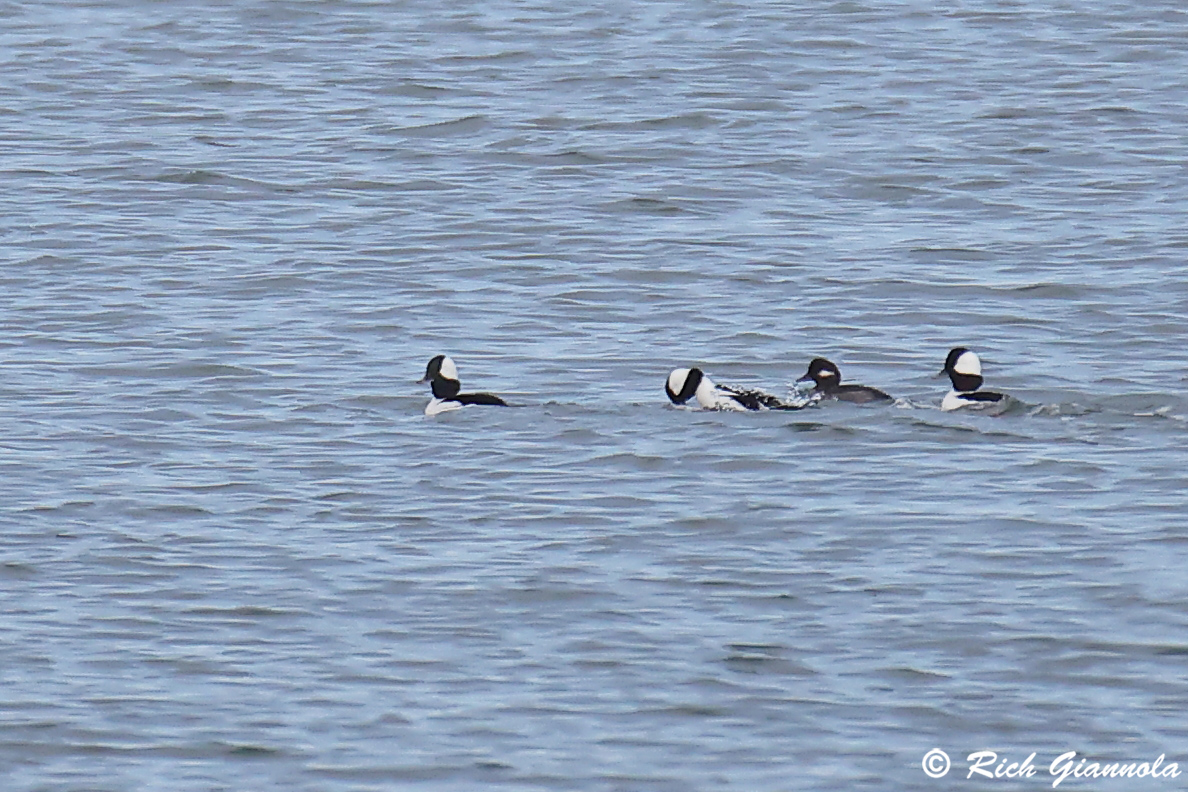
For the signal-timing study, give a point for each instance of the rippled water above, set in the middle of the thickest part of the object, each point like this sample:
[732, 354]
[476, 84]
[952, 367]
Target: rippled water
[235, 555]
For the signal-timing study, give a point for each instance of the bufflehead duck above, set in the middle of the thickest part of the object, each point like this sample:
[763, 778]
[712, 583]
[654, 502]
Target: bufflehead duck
[683, 384]
[442, 376]
[965, 372]
[827, 379]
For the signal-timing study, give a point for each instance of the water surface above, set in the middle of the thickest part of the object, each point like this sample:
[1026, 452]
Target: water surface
[235, 555]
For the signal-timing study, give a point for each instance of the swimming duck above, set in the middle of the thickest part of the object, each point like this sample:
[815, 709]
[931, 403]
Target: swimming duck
[442, 376]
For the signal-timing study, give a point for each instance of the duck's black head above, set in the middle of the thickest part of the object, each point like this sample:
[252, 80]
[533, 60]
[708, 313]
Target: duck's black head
[682, 384]
[442, 376]
[964, 370]
[823, 374]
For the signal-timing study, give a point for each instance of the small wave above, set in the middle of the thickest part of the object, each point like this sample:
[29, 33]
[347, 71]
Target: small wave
[174, 371]
[467, 125]
[1160, 406]
[15, 569]
[942, 254]
[575, 158]
[816, 426]
[214, 178]
[680, 121]
[649, 206]
[1061, 410]
[415, 90]
[210, 141]
[1162, 412]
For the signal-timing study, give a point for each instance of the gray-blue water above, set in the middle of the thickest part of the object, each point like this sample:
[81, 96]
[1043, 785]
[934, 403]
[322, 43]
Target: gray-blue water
[234, 555]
